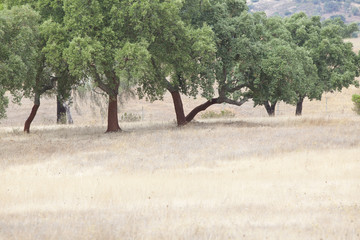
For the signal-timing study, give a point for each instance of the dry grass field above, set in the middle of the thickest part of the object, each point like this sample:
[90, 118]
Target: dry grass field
[245, 178]
[281, 178]
[249, 177]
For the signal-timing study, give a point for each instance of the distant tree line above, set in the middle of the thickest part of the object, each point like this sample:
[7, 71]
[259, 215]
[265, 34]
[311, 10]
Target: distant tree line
[215, 49]
[339, 8]
[330, 6]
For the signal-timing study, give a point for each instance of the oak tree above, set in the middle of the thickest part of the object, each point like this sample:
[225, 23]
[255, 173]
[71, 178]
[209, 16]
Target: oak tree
[230, 22]
[51, 76]
[336, 63]
[142, 43]
[19, 53]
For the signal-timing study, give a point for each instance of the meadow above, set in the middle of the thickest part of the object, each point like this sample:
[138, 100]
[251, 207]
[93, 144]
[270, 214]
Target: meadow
[248, 177]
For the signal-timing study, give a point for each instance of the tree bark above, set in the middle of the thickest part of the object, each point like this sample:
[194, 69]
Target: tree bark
[68, 113]
[299, 107]
[270, 108]
[179, 108]
[61, 111]
[32, 114]
[113, 122]
[200, 108]
[37, 102]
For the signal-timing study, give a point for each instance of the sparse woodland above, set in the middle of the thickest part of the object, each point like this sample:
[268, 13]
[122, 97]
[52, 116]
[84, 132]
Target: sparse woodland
[218, 68]
[214, 49]
[347, 10]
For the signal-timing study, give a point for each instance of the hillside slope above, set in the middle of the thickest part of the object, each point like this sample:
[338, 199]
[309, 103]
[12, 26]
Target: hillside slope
[348, 10]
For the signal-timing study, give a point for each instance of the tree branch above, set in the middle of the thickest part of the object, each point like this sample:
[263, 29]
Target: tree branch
[47, 87]
[168, 85]
[200, 108]
[98, 80]
[233, 102]
[237, 88]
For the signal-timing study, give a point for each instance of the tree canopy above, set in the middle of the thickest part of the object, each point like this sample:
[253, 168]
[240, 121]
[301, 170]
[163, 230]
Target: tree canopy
[19, 50]
[336, 63]
[50, 75]
[271, 59]
[216, 49]
[255, 57]
[140, 43]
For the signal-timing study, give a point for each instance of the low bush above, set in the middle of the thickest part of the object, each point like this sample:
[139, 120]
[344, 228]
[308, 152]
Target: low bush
[223, 114]
[356, 100]
[130, 117]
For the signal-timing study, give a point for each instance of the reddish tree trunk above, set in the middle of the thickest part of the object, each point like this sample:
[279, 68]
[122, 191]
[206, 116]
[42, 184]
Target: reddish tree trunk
[179, 109]
[32, 114]
[200, 108]
[113, 122]
[31, 118]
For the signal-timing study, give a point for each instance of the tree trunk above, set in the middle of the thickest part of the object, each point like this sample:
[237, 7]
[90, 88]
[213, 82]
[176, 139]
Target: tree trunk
[270, 108]
[299, 107]
[179, 109]
[200, 108]
[68, 114]
[61, 111]
[113, 122]
[32, 114]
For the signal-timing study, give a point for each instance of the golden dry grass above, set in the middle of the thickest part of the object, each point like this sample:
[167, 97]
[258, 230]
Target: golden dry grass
[258, 178]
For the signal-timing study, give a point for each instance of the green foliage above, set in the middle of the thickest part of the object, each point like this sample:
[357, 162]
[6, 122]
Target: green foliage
[177, 52]
[119, 45]
[95, 41]
[356, 100]
[222, 114]
[336, 63]
[133, 59]
[286, 72]
[186, 46]
[344, 30]
[46, 8]
[130, 117]
[4, 101]
[136, 43]
[274, 59]
[50, 73]
[19, 52]
[256, 56]
[230, 22]
[12, 3]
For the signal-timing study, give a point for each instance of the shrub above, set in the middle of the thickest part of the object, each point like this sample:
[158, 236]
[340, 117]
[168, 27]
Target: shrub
[355, 11]
[332, 7]
[130, 117]
[356, 100]
[223, 114]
